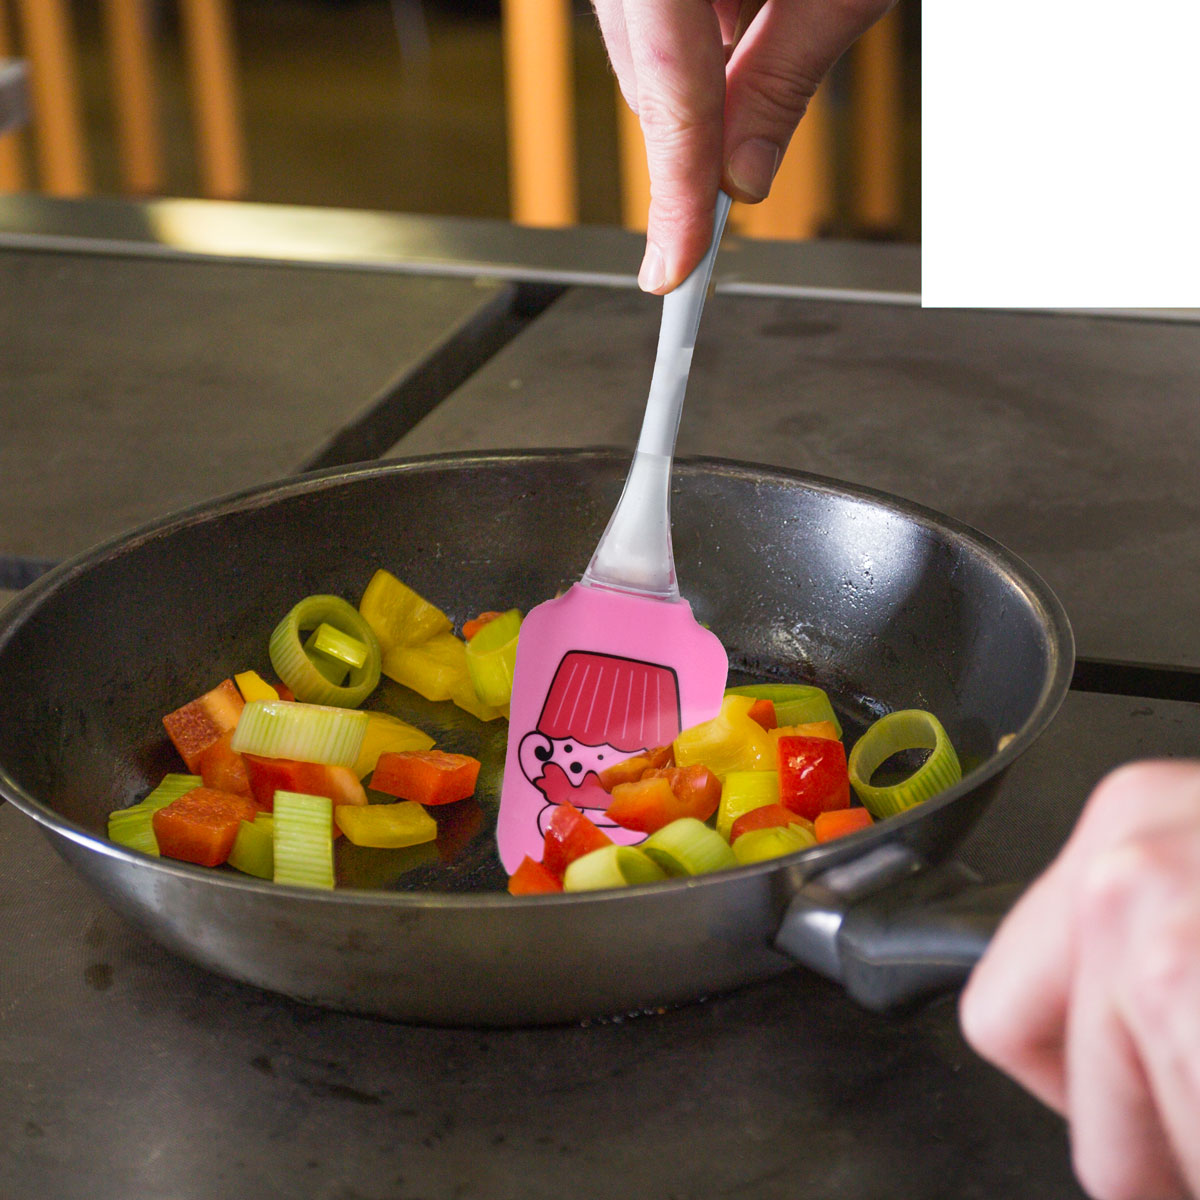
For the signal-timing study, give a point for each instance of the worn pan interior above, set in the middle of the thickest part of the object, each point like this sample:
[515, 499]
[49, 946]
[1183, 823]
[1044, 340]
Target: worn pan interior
[884, 604]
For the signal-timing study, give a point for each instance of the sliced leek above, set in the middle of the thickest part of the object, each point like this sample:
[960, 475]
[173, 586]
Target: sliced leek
[908, 729]
[688, 847]
[303, 840]
[491, 657]
[611, 867]
[309, 732]
[795, 703]
[758, 845]
[295, 665]
[253, 850]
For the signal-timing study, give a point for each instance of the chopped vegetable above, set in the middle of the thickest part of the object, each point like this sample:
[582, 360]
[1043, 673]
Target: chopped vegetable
[398, 615]
[301, 667]
[688, 847]
[386, 825]
[731, 741]
[795, 703]
[385, 732]
[433, 668]
[491, 657]
[310, 732]
[472, 627]
[253, 850]
[223, 768]
[463, 694]
[631, 769]
[761, 844]
[840, 822]
[763, 711]
[532, 879]
[426, 776]
[254, 687]
[201, 825]
[766, 817]
[569, 835]
[303, 840]
[820, 729]
[195, 726]
[908, 729]
[663, 796]
[611, 867]
[743, 791]
[812, 775]
[270, 775]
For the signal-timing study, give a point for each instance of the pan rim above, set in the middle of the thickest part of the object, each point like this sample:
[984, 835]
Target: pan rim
[803, 864]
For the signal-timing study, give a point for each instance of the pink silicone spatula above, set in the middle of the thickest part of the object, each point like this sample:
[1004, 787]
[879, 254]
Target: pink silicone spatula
[617, 664]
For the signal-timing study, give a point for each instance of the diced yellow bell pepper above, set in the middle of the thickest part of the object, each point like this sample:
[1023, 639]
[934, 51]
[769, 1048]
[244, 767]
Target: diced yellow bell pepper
[731, 741]
[388, 826]
[434, 668]
[385, 732]
[398, 615]
[743, 792]
[254, 687]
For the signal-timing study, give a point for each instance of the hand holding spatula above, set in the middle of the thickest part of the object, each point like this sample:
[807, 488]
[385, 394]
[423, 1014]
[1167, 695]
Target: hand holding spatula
[618, 664]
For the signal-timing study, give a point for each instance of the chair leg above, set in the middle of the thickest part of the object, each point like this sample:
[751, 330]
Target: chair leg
[139, 133]
[62, 163]
[12, 162]
[541, 111]
[208, 38]
[876, 107]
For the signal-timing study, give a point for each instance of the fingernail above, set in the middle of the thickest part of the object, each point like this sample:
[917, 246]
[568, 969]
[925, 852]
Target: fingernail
[654, 270]
[752, 167]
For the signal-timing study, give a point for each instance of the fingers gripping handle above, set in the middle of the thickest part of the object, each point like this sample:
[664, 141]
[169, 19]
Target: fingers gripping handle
[635, 553]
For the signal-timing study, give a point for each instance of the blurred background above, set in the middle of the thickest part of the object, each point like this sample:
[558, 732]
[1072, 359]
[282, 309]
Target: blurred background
[479, 108]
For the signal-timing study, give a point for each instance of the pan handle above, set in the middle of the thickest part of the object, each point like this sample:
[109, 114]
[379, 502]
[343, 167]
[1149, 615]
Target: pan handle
[891, 931]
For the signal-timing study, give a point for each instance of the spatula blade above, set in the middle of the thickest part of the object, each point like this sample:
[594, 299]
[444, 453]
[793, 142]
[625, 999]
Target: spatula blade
[600, 676]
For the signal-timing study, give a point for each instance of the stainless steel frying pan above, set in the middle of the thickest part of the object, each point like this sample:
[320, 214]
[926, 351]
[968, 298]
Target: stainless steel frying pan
[885, 604]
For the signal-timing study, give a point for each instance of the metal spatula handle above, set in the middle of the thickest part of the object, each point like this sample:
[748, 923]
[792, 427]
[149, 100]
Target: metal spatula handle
[634, 555]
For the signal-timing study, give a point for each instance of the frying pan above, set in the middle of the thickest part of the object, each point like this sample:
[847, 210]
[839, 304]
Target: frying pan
[885, 604]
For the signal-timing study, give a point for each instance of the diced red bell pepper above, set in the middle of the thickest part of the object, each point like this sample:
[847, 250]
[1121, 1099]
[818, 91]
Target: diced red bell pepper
[532, 879]
[812, 775]
[223, 768]
[195, 726]
[838, 823]
[569, 835]
[664, 795]
[426, 776]
[763, 711]
[634, 768]
[269, 775]
[767, 817]
[200, 827]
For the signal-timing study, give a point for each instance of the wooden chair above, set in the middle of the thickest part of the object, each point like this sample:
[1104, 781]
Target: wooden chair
[47, 42]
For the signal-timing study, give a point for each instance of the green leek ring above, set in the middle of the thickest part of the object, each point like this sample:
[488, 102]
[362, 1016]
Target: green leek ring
[294, 667]
[908, 729]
